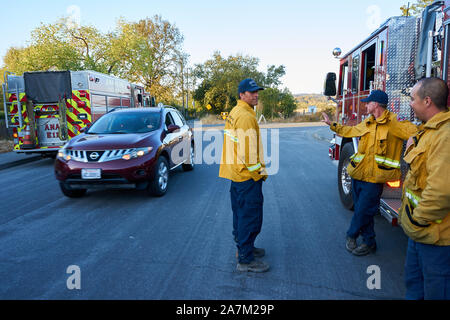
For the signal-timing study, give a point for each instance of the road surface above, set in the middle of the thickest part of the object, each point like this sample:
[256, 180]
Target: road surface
[127, 245]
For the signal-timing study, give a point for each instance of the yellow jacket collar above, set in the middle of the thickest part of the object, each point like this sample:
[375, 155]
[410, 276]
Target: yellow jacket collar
[385, 116]
[437, 120]
[246, 106]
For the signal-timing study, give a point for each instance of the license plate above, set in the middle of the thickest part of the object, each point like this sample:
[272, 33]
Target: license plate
[91, 173]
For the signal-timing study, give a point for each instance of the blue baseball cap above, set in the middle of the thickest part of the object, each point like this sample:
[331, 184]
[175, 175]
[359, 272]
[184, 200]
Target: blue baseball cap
[377, 96]
[248, 85]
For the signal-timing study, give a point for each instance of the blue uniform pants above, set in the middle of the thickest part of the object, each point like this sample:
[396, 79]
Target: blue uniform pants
[247, 205]
[427, 271]
[366, 199]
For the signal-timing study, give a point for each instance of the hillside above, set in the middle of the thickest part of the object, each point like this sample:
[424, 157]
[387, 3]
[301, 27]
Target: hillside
[318, 100]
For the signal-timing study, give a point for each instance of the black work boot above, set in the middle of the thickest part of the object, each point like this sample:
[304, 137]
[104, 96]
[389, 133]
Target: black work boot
[363, 249]
[257, 253]
[254, 266]
[350, 244]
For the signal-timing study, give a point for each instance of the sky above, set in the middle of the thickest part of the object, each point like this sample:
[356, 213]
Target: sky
[300, 35]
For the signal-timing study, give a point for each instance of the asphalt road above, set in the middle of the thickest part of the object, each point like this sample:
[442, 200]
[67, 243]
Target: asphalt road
[131, 246]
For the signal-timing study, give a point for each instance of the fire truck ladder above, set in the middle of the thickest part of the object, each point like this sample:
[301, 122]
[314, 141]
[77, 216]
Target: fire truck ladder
[62, 113]
[7, 105]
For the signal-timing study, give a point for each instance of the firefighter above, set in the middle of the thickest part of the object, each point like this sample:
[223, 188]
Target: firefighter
[425, 211]
[376, 162]
[242, 162]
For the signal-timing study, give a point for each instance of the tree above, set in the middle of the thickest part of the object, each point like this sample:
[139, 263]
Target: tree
[277, 103]
[287, 103]
[60, 46]
[149, 52]
[270, 99]
[219, 79]
[415, 9]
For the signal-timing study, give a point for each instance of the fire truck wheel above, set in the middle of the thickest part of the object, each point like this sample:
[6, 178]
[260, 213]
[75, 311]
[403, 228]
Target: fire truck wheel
[190, 165]
[158, 186]
[344, 180]
[76, 193]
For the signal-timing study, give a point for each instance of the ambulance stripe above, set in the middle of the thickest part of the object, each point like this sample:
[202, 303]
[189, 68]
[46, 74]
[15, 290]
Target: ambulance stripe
[76, 98]
[76, 112]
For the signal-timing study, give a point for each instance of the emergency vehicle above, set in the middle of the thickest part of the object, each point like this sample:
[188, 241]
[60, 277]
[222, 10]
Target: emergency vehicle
[46, 109]
[393, 58]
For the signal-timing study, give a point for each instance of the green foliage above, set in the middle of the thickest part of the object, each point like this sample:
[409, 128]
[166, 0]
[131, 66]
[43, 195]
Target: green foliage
[415, 9]
[219, 79]
[287, 103]
[277, 103]
[270, 99]
[59, 47]
[148, 52]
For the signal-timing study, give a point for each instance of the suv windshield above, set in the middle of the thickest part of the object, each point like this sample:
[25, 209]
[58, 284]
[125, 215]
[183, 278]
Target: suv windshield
[126, 122]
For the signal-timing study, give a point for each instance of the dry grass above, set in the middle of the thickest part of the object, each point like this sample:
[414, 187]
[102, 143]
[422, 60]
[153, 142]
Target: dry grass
[6, 146]
[212, 119]
[215, 119]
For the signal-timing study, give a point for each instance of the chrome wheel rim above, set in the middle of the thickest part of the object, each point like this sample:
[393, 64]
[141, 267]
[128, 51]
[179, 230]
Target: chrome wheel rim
[346, 180]
[163, 174]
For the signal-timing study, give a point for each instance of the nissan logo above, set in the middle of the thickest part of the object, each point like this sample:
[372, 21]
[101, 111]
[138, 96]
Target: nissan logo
[94, 156]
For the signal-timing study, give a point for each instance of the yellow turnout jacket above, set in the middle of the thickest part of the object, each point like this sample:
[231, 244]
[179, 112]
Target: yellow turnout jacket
[424, 215]
[380, 147]
[242, 152]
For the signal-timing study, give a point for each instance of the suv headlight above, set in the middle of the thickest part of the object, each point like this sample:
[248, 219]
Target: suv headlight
[136, 153]
[62, 153]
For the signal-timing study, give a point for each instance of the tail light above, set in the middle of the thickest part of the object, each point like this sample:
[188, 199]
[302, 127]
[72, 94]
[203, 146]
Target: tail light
[394, 184]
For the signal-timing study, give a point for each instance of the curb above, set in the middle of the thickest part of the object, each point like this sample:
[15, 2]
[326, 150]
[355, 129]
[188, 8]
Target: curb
[19, 162]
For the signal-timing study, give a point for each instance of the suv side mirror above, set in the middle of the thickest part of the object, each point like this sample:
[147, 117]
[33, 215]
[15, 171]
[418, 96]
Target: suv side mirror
[330, 84]
[172, 128]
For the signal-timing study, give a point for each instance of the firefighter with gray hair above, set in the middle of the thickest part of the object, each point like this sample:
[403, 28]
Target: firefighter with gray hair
[376, 162]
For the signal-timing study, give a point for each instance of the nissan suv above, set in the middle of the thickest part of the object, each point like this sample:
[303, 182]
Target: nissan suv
[126, 148]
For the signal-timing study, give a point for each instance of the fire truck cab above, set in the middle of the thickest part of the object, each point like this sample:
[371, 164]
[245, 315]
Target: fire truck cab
[44, 110]
[393, 58]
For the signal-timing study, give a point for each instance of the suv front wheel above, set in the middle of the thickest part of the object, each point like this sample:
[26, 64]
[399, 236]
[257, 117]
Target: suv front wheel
[71, 193]
[158, 186]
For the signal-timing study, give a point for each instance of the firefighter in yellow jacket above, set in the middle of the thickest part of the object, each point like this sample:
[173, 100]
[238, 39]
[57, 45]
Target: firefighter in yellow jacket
[425, 212]
[242, 162]
[377, 161]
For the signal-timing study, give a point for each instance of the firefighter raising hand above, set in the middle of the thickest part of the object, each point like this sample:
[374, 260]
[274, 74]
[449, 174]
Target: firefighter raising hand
[326, 119]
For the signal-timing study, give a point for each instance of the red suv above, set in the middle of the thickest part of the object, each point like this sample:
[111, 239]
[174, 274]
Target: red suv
[127, 148]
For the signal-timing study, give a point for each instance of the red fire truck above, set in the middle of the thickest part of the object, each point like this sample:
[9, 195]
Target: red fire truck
[44, 110]
[393, 58]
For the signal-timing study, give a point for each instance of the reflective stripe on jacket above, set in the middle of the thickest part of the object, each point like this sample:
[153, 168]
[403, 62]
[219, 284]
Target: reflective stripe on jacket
[380, 147]
[424, 215]
[242, 152]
